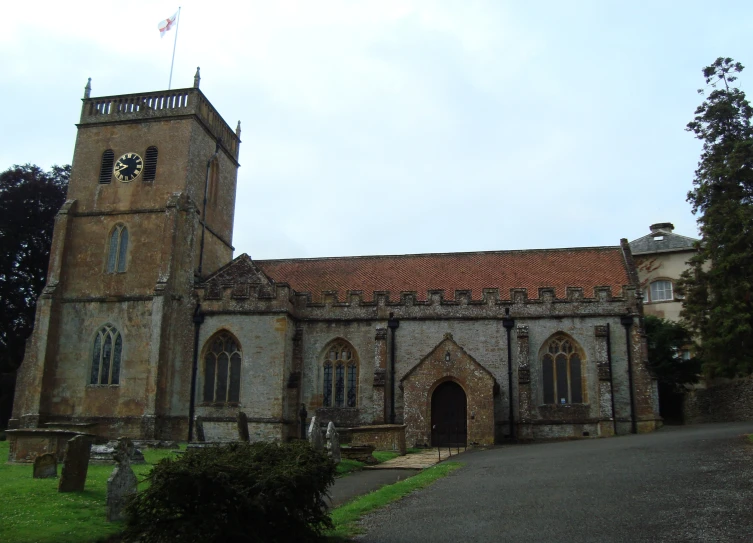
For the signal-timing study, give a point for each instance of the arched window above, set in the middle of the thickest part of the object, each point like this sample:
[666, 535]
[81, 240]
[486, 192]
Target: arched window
[105, 170]
[340, 376]
[108, 347]
[150, 164]
[214, 180]
[561, 369]
[222, 369]
[116, 257]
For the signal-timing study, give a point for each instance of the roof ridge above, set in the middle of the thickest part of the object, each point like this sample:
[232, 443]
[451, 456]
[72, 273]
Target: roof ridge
[462, 253]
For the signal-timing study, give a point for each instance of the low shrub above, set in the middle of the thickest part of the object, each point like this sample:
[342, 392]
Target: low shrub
[260, 492]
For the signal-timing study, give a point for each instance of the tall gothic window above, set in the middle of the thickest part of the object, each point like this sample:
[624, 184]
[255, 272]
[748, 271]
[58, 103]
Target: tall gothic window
[150, 164]
[105, 169]
[108, 347]
[340, 384]
[561, 368]
[116, 257]
[222, 369]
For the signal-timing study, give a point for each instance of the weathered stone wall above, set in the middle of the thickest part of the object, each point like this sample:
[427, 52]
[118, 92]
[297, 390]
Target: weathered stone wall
[266, 346]
[722, 402]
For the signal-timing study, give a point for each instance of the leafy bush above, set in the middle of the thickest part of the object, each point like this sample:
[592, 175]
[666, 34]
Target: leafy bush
[260, 492]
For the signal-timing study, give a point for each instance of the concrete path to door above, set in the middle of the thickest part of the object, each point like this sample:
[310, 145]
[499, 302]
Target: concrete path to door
[689, 483]
[420, 460]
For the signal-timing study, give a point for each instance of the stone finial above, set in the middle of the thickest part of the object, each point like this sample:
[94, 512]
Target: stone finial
[238, 130]
[88, 88]
[315, 435]
[196, 78]
[333, 443]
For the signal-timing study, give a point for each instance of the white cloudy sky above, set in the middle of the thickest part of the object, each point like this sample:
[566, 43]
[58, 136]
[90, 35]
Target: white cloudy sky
[401, 126]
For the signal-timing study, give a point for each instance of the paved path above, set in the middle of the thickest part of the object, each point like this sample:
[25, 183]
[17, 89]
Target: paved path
[362, 482]
[692, 483]
[421, 460]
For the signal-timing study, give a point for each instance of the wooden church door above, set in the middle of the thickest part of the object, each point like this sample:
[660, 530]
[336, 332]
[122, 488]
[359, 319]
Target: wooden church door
[448, 415]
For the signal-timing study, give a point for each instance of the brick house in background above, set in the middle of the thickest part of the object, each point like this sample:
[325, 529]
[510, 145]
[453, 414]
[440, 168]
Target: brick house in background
[147, 322]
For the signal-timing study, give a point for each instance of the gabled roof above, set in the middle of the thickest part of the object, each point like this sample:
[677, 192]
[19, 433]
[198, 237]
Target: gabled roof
[531, 269]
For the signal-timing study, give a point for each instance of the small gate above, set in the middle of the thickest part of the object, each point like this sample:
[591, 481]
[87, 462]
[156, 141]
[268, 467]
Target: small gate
[448, 415]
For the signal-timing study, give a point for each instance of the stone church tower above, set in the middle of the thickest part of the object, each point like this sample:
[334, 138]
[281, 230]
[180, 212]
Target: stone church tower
[149, 209]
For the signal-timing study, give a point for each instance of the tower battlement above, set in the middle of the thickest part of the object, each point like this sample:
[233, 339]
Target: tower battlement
[179, 103]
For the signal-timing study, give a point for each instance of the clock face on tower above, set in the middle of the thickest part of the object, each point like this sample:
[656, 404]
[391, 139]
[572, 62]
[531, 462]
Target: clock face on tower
[128, 167]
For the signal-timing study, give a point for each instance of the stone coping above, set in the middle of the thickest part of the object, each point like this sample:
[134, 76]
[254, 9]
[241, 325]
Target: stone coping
[46, 431]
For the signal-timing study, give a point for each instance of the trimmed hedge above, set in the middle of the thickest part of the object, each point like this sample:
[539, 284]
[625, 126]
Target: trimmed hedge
[260, 492]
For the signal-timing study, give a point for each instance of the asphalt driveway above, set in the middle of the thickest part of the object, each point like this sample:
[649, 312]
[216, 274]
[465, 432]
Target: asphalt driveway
[690, 483]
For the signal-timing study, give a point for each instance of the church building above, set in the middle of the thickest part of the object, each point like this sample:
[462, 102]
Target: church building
[148, 324]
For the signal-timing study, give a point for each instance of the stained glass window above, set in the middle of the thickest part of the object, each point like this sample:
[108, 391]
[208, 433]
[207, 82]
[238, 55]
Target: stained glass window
[562, 372]
[222, 369]
[340, 383]
[106, 356]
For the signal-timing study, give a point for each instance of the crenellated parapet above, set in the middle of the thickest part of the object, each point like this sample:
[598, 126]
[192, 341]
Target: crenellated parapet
[241, 287]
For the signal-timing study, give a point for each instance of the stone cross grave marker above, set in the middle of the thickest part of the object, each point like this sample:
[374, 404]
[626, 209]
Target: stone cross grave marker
[45, 466]
[75, 464]
[333, 443]
[315, 435]
[122, 483]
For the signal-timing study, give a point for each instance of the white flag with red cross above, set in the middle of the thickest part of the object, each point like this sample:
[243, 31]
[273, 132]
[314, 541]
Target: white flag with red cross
[167, 24]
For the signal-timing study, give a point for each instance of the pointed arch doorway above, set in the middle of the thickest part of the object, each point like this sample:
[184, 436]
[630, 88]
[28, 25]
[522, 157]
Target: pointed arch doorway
[448, 415]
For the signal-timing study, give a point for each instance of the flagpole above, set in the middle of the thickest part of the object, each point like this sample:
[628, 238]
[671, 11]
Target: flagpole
[175, 43]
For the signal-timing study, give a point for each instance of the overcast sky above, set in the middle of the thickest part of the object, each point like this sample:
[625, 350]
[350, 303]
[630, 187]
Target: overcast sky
[393, 127]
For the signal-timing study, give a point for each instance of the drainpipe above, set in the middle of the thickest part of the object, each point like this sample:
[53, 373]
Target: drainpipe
[627, 322]
[393, 325]
[611, 379]
[198, 318]
[204, 205]
[508, 322]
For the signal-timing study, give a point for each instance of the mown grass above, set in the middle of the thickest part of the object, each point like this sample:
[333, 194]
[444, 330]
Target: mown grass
[32, 510]
[346, 517]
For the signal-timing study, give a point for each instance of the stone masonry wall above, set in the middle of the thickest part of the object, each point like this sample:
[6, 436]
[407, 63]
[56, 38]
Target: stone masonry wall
[724, 402]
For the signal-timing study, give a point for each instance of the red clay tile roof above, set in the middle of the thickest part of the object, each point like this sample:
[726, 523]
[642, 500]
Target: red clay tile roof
[559, 268]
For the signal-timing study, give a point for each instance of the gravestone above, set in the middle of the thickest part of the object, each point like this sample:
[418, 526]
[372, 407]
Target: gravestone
[103, 454]
[315, 435]
[45, 466]
[243, 427]
[333, 443]
[75, 465]
[122, 483]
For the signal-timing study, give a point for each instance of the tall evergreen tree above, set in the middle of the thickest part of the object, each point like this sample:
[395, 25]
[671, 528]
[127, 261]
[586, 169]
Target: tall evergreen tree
[29, 200]
[718, 304]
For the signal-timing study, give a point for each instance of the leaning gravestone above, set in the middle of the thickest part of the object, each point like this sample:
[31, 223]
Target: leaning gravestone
[75, 465]
[315, 435]
[122, 483]
[243, 427]
[333, 443]
[45, 466]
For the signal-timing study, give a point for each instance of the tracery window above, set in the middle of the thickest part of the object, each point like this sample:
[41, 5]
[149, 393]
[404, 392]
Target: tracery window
[106, 354]
[116, 257]
[561, 368]
[222, 369]
[105, 169]
[340, 383]
[150, 164]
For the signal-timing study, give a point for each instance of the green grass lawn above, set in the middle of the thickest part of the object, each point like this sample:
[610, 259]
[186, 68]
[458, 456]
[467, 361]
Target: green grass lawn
[32, 510]
[346, 517]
